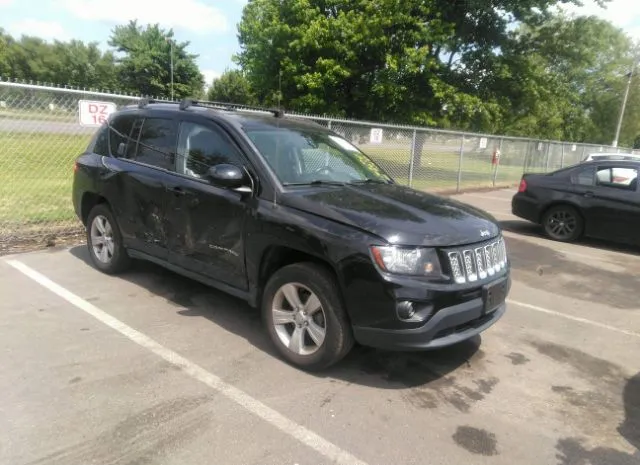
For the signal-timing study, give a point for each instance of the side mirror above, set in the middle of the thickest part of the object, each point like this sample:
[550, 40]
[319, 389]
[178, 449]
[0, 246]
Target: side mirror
[228, 176]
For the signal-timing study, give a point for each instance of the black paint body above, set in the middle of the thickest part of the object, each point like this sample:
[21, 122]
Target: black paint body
[609, 213]
[235, 241]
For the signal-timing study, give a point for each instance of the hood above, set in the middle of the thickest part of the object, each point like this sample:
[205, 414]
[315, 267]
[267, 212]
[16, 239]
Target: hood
[398, 214]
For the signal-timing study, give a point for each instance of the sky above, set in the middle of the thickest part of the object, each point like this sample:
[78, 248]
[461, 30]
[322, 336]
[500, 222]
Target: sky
[209, 25]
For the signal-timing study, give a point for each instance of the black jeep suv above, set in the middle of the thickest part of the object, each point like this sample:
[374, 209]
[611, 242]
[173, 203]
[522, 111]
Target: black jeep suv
[294, 219]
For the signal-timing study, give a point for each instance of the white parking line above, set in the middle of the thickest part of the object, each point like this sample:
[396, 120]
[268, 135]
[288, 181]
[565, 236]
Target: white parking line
[307, 437]
[573, 318]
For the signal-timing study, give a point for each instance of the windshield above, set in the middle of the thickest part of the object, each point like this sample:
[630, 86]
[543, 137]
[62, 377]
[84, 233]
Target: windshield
[302, 156]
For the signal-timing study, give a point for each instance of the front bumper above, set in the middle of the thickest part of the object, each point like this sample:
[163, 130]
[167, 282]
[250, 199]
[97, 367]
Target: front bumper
[448, 326]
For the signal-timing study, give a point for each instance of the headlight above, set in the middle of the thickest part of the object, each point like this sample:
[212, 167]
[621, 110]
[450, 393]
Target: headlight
[408, 261]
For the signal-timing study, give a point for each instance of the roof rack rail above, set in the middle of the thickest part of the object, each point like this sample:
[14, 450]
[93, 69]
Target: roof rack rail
[187, 102]
[143, 102]
[278, 113]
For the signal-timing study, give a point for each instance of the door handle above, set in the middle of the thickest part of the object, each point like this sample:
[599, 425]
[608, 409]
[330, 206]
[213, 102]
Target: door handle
[588, 194]
[177, 190]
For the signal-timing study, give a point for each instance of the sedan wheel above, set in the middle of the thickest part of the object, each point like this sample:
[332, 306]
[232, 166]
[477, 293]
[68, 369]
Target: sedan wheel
[563, 223]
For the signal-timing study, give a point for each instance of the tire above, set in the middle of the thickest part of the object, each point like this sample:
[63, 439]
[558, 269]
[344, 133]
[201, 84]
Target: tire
[113, 258]
[563, 223]
[308, 351]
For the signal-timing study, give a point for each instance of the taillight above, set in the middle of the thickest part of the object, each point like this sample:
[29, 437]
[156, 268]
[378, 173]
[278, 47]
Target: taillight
[523, 185]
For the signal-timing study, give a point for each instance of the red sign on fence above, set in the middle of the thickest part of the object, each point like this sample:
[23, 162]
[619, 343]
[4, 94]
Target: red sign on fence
[93, 113]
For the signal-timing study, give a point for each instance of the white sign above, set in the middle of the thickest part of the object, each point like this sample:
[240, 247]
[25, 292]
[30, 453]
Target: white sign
[93, 113]
[539, 146]
[574, 147]
[376, 136]
[483, 142]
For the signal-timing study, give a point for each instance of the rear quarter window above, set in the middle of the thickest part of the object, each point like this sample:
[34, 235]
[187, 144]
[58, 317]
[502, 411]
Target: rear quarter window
[119, 134]
[100, 142]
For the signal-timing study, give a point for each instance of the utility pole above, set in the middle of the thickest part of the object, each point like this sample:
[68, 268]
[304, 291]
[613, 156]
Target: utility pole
[168, 39]
[624, 104]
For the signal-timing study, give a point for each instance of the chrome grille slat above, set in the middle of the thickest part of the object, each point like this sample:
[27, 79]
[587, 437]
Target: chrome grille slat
[455, 261]
[477, 263]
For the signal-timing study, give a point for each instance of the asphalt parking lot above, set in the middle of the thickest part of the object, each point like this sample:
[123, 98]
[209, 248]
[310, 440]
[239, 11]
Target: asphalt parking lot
[150, 367]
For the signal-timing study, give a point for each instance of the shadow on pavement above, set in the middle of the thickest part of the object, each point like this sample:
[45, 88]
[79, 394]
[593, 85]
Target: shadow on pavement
[572, 451]
[630, 428]
[525, 228]
[365, 366]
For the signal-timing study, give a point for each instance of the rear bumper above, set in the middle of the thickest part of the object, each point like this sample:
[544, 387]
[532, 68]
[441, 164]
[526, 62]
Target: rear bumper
[525, 207]
[448, 326]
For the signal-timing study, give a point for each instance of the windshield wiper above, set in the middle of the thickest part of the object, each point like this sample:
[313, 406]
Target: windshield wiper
[317, 182]
[369, 181]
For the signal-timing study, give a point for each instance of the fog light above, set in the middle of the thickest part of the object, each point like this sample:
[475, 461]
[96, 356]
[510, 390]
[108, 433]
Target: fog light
[405, 310]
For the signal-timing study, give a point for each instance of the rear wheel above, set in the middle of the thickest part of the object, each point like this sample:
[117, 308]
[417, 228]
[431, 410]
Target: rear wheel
[563, 223]
[105, 241]
[304, 316]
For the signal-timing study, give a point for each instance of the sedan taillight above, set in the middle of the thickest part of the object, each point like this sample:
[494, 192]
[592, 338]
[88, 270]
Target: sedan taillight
[523, 185]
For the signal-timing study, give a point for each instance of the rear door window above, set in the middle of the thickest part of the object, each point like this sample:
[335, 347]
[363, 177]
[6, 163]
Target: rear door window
[583, 176]
[156, 144]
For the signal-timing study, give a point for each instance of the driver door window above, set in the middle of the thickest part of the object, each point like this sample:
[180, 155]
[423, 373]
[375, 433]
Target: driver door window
[201, 147]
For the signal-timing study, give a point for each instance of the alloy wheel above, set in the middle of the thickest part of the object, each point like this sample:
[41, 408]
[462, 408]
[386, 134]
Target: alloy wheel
[299, 319]
[562, 224]
[102, 239]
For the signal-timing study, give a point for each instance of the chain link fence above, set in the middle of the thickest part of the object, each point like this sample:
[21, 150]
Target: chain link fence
[40, 137]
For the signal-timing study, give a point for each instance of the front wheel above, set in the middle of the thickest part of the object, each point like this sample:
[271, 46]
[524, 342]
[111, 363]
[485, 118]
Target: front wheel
[304, 316]
[105, 241]
[563, 223]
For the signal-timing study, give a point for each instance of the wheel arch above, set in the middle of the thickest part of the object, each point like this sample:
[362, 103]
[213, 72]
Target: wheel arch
[277, 256]
[560, 203]
[88, 202]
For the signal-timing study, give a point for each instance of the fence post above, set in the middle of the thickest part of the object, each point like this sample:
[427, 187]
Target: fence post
[460, 164]
[562, 156]
[329, 125]
[584, 149]
[412, 158]
[495, 172]
[548, 156]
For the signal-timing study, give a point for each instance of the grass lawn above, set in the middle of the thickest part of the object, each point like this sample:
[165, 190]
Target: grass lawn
[36, 172]
[439, 168]
[38, 115]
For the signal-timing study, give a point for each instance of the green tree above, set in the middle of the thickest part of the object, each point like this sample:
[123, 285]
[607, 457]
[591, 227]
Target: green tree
[71, 63]
[145, 65]
[83, 65]
[30, 59]
[563, 79]
[404, 61]
[233, 87]
[5, 43]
